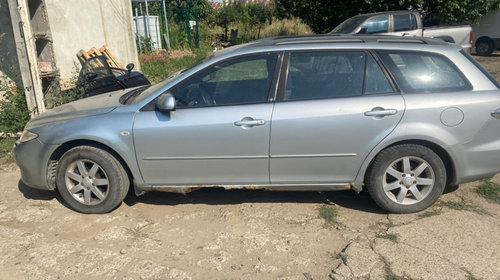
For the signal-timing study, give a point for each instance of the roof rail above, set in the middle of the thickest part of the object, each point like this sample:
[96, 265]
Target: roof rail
[332, 40]
[396, 40]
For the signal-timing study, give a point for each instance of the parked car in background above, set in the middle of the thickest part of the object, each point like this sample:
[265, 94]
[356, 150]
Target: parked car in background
[401, 117]
[487, 32]
[405, 23]
[97, 77]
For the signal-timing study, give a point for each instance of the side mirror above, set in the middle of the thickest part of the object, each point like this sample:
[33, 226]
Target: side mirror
[130, 66]
[90, 76]
[166, 102]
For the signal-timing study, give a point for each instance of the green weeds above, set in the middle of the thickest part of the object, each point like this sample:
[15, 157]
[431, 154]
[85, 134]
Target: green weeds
[330, 215]
[490, 191]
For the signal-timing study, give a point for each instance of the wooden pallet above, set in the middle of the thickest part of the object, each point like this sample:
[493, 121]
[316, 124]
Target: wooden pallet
[104, 50]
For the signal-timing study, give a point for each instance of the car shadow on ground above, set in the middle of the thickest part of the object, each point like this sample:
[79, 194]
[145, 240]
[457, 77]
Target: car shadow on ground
[219, 196]
[36, 194]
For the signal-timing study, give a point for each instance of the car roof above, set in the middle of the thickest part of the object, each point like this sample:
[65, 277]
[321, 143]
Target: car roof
[388, 12]
[292, 42]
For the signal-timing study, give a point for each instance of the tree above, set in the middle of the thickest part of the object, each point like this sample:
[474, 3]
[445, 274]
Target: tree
[323, 16]
[457, 11]
[258, 14]
[227, 14]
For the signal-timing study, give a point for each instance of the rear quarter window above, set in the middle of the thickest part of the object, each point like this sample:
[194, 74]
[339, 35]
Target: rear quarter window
[481, 68]
[423, 72]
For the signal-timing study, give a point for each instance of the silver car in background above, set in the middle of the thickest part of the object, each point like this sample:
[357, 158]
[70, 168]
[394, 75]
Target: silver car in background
[402, 117]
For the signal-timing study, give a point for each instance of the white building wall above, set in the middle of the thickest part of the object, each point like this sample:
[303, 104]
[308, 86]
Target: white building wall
[77, 25]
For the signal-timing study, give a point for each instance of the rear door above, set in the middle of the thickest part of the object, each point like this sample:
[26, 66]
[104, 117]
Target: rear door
[335, 107]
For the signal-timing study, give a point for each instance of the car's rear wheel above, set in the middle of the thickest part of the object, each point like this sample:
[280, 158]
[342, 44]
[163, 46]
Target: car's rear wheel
[406, 178]
[91, 180]
[484, 46]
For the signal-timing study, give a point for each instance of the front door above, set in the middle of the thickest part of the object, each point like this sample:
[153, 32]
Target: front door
[335, 108]
[219, 133]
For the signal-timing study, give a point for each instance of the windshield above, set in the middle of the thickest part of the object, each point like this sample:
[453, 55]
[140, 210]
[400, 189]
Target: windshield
[349, 25]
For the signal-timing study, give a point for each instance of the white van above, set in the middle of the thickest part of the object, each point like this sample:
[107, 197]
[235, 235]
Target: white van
[487, 32]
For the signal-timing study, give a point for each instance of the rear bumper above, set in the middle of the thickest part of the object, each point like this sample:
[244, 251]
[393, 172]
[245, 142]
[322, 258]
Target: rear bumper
[32, 158]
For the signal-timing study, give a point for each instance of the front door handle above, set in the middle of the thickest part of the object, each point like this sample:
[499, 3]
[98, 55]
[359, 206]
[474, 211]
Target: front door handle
[381, 112]
[496, 114]
[248, 122]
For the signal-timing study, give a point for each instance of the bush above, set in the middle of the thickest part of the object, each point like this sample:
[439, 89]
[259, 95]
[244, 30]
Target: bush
[14, 113]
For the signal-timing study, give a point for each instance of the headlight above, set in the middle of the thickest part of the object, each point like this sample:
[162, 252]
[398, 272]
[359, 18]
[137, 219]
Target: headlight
[27, 136]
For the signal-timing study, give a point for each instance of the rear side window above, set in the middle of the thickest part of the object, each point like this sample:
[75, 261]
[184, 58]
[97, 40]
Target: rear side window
[330, 74]
[423, 72]
[404, 22]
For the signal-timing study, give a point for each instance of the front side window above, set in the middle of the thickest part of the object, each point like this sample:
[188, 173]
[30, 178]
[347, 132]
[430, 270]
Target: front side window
[424, 72]
[313, 75]
[404, 22]
[243, 80]
[375, 25]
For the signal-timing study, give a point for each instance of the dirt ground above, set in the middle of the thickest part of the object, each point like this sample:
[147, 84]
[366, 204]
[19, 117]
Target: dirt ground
[247, 234]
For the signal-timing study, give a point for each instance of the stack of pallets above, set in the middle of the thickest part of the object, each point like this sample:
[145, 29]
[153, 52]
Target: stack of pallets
[104, 50]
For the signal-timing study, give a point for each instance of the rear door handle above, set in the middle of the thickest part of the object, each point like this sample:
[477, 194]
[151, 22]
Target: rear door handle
[496, 114]
[248, 122]
[381, 112]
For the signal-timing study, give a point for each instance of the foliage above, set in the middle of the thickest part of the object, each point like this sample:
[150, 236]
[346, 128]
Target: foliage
[323, 16]
[292, 26]
[490, 191]
[159, 68]
[56, 96]
[430, 213]
[457, 11]
[330, 216]
[146, 44]
[461, 205]
[14, 113]
[6, 154]
[394, 237]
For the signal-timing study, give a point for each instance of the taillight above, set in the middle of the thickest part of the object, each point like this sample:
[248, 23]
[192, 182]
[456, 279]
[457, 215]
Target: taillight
[471, 36]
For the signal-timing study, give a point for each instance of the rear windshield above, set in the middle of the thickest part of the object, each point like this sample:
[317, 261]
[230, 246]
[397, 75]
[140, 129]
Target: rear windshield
[423, 71]
[480, 67]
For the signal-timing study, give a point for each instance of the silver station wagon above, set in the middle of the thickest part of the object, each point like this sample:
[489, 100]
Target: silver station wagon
[401, 117]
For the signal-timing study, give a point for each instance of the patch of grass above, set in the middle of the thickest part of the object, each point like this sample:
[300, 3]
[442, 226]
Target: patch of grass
[330, 215]
[389, 274]
[161, 67]
[461, 205]
[394, 237]
[139, 231]
[6, 153]
[340, 256]
[430, 213]
[490, 191]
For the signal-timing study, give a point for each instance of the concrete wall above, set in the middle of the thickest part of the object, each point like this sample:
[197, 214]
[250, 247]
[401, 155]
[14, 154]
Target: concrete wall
[77, 24]
[9, 66]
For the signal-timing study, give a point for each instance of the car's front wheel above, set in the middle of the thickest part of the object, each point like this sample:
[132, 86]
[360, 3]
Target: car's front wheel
[406, 178]
[91, 180]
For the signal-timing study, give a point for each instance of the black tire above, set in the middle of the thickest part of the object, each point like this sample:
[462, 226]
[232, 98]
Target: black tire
[484, 46]
[410, 189]
[91, 180]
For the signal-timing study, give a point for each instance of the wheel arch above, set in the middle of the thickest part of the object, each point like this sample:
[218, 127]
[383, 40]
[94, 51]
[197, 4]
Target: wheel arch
[63, 148]
[487, 38]
[447, 39]
[439, 150]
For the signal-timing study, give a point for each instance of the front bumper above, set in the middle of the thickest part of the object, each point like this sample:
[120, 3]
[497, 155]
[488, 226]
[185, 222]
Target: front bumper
[32, 158]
